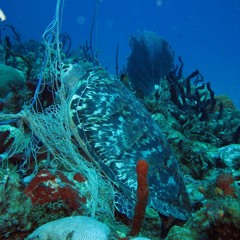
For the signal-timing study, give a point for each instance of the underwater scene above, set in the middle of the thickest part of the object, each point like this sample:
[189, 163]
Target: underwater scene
[119, 120]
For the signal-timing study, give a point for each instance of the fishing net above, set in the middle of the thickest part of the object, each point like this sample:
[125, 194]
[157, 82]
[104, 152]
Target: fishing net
[50, 127]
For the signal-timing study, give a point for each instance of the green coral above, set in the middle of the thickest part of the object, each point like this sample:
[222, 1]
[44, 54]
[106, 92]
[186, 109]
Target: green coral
[10, 76]
[180, 233]
[14, 205]
[44, 213]
[218, 219]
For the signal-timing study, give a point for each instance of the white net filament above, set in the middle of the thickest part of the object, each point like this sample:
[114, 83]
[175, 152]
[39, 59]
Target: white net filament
[51, 126]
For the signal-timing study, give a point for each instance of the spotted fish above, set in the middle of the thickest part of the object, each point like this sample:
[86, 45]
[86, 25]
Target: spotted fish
[115, 131]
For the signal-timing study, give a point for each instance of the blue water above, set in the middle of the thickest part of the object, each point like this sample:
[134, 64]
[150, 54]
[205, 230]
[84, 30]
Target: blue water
[205, 33]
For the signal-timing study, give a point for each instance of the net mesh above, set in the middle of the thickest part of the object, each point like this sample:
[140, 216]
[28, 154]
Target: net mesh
[51, 126]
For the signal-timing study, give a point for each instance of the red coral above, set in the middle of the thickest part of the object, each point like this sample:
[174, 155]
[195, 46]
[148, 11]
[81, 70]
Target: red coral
[224, 182]
[142, 197]
[48, 187]
[78, 177]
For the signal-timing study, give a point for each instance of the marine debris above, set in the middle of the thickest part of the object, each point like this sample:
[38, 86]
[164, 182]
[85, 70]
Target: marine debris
[72, 139]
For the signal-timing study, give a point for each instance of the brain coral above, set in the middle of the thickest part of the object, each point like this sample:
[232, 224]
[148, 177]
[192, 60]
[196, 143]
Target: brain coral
[74, 228]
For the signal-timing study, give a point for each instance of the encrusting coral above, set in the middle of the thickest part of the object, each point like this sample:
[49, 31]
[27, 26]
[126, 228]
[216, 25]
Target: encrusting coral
[15, 207]
[218, 219]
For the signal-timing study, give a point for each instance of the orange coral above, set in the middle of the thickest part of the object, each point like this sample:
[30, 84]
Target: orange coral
[224, 182]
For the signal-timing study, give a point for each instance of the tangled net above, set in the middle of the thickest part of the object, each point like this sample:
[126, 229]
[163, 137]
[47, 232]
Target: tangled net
[51, 126]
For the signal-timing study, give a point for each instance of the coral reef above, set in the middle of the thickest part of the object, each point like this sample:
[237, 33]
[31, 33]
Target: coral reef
[230, 155]
[10, 78]
[194, 109]
[203, 130]
[14, 91]
[218, 219]
[15, 207]
[226, 102]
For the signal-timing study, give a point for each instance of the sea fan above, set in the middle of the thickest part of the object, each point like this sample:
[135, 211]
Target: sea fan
[151, 59]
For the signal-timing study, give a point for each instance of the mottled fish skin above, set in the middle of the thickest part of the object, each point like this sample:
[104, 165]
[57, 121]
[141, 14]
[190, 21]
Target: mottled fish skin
[115, 131]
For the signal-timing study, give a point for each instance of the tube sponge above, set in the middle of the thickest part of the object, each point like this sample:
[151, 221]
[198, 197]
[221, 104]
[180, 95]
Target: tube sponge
[142, 197]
